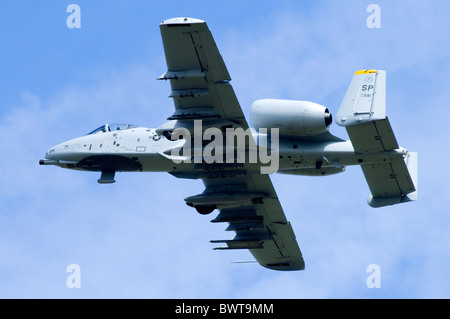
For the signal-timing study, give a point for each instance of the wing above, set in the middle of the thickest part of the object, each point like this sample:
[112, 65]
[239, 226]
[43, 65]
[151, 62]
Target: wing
[249, 203]
[198, 76]
[245, 198]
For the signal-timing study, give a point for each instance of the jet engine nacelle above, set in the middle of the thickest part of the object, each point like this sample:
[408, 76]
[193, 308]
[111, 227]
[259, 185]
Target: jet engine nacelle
[292, 118]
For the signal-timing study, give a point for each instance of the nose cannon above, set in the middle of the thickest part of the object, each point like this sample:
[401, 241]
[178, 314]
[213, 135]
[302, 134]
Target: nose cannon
[48, 162]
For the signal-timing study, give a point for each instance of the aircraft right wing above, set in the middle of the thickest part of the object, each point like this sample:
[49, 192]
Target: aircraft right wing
[197, 73]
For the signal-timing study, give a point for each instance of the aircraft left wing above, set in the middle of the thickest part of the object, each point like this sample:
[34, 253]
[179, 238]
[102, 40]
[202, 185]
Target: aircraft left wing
[249, 203]
[246, 199]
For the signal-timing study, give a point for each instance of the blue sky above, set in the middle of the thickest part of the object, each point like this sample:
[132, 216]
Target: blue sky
[137, 238]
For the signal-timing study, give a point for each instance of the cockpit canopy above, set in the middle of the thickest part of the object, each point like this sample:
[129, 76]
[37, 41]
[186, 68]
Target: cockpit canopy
[112, 127]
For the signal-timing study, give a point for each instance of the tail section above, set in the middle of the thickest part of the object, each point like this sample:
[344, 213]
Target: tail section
[363, 114]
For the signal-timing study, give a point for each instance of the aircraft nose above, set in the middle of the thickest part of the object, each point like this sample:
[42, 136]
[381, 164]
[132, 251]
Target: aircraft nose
[61, 155]
[55, 155]
[50, 157]
[50, 153]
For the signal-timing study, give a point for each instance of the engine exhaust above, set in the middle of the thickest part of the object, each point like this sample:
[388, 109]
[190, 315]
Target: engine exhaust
[328, 118]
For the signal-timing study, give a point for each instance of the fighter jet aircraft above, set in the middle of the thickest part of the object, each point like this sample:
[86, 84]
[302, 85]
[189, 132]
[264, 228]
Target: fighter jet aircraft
[208, 138]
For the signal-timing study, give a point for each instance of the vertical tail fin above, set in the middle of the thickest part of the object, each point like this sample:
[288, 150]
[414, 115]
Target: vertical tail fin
[365, 99]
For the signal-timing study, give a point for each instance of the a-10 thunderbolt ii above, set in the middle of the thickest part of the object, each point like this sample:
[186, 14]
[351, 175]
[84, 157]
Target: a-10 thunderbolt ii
[208, 138]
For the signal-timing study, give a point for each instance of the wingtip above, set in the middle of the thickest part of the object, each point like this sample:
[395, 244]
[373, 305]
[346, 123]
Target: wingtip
[182, 20]
[287, 266]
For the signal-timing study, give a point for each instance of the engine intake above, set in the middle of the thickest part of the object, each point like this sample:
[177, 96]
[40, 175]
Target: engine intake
[291, 117]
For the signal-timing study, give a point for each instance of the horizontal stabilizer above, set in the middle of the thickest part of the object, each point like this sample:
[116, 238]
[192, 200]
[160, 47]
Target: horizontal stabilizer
[372, 137]
[392, 183]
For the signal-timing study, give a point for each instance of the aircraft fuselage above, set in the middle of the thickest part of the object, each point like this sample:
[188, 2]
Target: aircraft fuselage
[142, 149]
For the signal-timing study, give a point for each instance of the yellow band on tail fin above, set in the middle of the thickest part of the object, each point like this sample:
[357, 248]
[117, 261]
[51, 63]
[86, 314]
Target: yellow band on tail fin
[365, 71]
